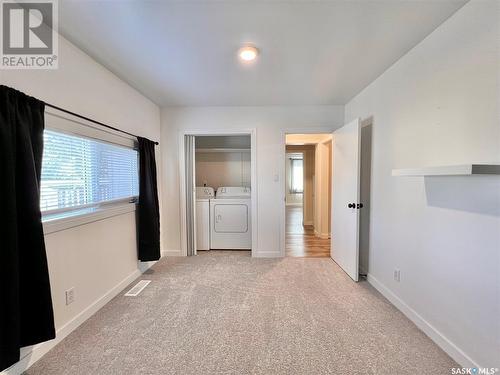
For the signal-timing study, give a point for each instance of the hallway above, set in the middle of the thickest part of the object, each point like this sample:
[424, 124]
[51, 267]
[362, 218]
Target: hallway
[300, 240]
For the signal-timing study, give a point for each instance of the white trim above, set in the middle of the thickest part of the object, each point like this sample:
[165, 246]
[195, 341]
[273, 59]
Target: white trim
[57, 225]
[267, 254]
[47, 214]
[441, 340]
[254, 184]
[294, 204]
[171, 253]
[68, 124]
[182, 192]
[32, 354]
[282, 170]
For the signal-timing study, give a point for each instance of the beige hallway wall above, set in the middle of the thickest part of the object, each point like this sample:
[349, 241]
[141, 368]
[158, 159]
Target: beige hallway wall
[322, 215]
[223, 169]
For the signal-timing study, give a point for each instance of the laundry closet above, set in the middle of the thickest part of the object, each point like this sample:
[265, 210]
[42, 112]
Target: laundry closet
[223, 192]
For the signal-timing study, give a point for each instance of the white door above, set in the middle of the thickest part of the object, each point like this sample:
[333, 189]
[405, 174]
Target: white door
[345, 198]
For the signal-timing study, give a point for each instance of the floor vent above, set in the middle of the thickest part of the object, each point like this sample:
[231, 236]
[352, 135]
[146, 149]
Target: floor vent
[139, 287]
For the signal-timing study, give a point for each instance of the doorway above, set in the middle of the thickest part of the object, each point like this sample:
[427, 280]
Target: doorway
[307, 195]
[218, 201]
[340, 198]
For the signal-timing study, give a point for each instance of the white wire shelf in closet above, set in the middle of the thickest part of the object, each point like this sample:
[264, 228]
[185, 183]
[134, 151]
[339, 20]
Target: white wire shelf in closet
[210, 150]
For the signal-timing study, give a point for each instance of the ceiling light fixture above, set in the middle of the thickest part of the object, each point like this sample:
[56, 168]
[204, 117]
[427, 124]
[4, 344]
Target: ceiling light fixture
[248, 53]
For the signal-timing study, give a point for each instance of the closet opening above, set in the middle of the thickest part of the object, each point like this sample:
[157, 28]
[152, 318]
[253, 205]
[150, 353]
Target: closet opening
[219, 198]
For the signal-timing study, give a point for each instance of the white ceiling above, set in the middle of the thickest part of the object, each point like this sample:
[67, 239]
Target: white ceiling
[312, 52]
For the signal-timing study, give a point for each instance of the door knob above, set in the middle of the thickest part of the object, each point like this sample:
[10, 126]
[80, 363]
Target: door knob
[351, 205]
[360, 205]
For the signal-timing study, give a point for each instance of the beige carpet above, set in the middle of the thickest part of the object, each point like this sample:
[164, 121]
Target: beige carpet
[226, 313]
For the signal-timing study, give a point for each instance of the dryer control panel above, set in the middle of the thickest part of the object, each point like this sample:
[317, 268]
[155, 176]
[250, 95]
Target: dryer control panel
[204, 192]
[232, 192]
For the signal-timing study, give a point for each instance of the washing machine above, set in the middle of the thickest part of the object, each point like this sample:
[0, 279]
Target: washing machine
[203, 196]
[231, 219]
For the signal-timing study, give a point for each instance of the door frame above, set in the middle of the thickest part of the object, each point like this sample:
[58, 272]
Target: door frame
[365, 122]
[282, 171]
[252, 132]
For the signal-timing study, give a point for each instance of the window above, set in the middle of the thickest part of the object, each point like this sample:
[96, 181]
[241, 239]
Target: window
[81, 173]
[297, 179]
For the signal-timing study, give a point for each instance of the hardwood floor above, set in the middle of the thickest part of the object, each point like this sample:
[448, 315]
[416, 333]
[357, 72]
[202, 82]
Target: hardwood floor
[300, 240]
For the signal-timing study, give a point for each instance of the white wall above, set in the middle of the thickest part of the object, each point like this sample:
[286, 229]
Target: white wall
[308, 199]
[101, 257]
[269, 122]
[439, 105]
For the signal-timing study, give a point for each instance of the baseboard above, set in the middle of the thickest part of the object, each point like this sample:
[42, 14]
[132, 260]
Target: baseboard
[362, 271]
[30, 355]
[323, 236]
[442, 341]
[293, 204]
[171, 253]
[267, 254]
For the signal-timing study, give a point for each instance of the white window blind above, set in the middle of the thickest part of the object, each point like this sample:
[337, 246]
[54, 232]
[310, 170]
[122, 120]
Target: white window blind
[81, 172]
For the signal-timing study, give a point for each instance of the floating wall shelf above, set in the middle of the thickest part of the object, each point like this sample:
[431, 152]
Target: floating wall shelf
[450, 170]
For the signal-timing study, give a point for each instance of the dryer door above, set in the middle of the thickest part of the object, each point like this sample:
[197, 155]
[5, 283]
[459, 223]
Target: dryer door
[231, 218]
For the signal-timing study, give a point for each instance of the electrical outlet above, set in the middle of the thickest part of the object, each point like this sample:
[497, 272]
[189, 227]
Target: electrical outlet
[397, 275]
[70, 296]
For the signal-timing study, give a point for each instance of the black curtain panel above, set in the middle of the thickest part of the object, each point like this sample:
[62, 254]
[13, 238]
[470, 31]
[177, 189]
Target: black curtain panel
[26, 315]
[149, 212]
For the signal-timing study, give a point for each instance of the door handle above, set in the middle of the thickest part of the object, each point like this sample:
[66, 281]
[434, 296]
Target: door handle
[359, 205]
[351, 205]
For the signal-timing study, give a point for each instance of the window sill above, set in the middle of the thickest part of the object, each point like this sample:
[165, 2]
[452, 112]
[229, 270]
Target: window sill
[57, 224]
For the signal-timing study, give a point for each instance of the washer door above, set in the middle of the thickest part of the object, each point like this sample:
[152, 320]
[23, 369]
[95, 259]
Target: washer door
[230, 218]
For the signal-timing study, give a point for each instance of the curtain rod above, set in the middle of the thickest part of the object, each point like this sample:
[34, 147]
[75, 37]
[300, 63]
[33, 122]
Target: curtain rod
[89, 119]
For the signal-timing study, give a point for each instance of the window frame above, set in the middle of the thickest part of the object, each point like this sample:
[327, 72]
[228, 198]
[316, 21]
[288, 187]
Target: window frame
[55, 220]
